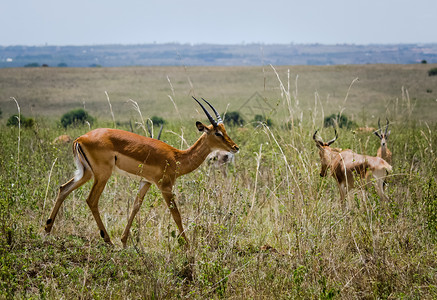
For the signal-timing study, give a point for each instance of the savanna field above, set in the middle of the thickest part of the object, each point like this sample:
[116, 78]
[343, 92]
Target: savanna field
[269, 227]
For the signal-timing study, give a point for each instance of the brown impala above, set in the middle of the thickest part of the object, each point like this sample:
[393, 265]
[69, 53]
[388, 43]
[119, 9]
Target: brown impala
[101, 151]
[383, 150]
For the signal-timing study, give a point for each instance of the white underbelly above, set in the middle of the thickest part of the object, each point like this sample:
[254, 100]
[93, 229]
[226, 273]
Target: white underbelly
[129, 175]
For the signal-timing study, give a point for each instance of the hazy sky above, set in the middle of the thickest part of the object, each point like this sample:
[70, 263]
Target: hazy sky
[92, 22]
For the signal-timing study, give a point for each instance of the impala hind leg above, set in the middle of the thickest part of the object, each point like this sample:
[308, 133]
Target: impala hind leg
[93, 203]
[144, 187]
[169, 199]
[64, 191]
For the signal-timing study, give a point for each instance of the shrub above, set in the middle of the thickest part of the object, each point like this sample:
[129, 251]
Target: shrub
[432, 72]
[341, 121]
[75, 117]
[233, 118]
[261, 119]
[25, 122]
[157, 120]
[32, 65]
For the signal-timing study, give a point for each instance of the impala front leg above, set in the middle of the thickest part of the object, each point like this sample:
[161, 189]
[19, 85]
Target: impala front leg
[169, 199]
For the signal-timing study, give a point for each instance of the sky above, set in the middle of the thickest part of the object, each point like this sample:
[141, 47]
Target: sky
[96, 22]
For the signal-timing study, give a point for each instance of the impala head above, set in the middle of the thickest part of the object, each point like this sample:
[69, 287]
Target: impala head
[383, 136]
[325, 152]
[217, 137]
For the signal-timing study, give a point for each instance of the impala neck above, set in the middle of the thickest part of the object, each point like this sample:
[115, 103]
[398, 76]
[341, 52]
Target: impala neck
[193, 157]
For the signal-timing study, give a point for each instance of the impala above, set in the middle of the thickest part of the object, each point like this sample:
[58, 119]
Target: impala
[101, 151]
[383, 150]
[220, 160]
[344, 163]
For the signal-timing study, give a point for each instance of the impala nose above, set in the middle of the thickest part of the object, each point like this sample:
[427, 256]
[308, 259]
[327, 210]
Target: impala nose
[236, 149]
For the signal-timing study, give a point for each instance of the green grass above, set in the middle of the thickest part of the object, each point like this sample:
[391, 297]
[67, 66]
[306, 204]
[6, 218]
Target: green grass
[271, 229]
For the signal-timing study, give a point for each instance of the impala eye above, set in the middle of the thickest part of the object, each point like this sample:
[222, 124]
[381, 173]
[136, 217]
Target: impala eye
[218, 134]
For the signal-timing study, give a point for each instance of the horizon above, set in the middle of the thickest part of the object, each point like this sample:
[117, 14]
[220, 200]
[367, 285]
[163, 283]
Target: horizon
[218, 44]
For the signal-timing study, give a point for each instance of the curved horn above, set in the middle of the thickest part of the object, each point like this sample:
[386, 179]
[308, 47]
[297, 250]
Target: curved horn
[376, 132]
[386, 127]
[219, 119]
[213, 122]
[333, 140]
[315, 137]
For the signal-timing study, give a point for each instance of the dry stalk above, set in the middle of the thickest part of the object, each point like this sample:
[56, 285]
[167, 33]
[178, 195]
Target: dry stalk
[19, 136]
[110, 108]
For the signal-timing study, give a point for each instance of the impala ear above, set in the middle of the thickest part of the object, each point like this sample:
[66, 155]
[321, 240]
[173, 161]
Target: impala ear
[201, 127]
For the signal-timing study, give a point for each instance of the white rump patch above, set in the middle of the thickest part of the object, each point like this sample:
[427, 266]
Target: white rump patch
[78, 174]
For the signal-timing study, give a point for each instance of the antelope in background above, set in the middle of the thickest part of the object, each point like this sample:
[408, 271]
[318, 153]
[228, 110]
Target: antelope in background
[344, 163]
[101, 151]
[220, 160]
[383, 150]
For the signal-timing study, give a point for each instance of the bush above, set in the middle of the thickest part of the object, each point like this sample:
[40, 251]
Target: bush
[32, 65]
[233, 118]
[25, 122]
[341, 121]
[157, 120]
[75, 117]
[261, 119]
[432, 72]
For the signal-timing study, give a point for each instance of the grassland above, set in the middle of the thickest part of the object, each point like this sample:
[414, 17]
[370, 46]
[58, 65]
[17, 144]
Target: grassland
[271, 229]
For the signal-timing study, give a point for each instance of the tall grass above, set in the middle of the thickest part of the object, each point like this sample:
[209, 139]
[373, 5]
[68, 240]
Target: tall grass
[271, 228]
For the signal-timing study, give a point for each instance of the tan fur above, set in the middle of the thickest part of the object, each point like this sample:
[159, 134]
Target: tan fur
[220, 160]
[383, 150]
[62, 139]
[101, 151]
[344, 164]
[366, 129]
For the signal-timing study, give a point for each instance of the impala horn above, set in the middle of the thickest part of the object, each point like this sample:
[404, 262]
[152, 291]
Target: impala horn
[376, 132]
[219, 119]
[211, 119]
[386, 128]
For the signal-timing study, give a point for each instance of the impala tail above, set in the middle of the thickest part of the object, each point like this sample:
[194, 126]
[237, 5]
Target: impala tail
[80, 160]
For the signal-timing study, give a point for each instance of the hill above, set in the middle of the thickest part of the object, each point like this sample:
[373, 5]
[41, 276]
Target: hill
[214, 55]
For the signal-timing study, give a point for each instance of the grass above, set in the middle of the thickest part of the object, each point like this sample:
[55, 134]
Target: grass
[271, 229]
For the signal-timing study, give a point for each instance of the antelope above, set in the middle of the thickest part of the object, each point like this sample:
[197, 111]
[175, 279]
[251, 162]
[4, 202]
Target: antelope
[383, 150]
[101, 151]
[62, 139]
[366, 129]
[220, 159]
[344, 163]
